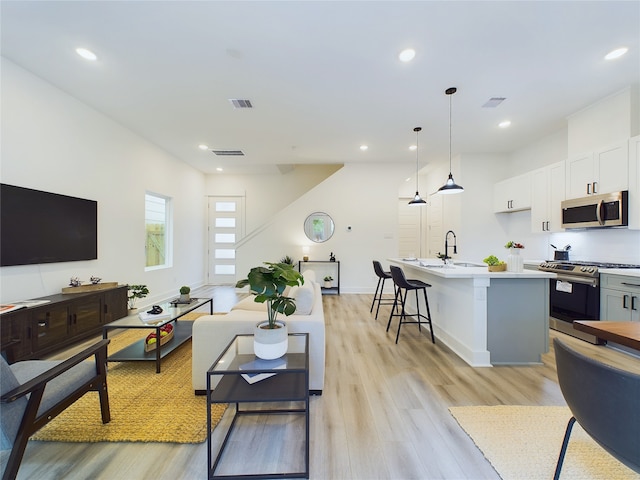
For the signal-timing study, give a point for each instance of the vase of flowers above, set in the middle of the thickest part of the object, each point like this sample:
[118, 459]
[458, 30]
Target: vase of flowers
[515, 263]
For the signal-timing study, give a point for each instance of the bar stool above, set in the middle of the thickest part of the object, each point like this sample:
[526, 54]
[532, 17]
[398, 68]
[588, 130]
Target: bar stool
[401, 282]
[382, 276]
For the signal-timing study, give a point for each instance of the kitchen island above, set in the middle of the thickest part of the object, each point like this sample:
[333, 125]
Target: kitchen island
[487, 318]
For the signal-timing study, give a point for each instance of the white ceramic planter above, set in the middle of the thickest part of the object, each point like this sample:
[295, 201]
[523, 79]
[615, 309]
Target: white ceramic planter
[515, 263]
[268, 343]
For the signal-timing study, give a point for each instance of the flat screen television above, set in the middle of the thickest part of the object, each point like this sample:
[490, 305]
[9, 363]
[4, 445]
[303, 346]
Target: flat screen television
[41, 227]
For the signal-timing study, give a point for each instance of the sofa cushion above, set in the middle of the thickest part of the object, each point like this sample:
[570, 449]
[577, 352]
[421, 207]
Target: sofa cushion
[304, 297]
[309, 276]
[249, 303]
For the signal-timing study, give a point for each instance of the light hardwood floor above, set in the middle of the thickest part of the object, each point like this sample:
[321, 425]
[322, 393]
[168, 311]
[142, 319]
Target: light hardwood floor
[383, 414]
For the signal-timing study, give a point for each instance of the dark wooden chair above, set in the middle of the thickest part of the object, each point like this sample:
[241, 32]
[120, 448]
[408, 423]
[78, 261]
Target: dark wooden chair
[35, 391]
[604, 401]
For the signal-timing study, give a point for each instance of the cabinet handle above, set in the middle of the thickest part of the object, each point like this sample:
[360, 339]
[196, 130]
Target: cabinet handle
[548, 228]
[595, 187]
[630, 284]
[588, 189]
[42, 324]
[624, 301]
[633, 303]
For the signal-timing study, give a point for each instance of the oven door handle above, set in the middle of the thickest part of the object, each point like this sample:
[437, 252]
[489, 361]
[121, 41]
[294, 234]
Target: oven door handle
[585, 281]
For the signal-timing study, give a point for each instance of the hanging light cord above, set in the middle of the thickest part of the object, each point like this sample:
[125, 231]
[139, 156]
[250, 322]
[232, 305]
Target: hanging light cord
[417, 130]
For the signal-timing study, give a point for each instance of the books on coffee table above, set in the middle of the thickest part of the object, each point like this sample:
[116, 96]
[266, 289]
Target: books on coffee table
[260, 364]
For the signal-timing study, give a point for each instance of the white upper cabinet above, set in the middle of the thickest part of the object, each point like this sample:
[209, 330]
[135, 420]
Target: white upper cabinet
[512, 194]
[603, 171]
[547, 191]
[634, 183]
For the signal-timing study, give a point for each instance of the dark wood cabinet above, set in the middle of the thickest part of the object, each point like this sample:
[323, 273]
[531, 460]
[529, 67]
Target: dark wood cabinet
[59, 323]
[15, 334]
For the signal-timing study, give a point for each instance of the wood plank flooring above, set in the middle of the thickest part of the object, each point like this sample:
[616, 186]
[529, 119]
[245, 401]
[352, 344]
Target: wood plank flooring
[383, 413]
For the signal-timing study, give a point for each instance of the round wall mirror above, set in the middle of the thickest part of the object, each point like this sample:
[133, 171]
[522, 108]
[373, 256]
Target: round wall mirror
[318, 227]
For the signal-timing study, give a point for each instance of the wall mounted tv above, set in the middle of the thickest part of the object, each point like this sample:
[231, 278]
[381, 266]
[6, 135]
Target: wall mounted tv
[41, 227]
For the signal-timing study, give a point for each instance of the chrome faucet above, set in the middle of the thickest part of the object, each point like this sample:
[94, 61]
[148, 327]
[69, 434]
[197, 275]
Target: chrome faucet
[446, 245]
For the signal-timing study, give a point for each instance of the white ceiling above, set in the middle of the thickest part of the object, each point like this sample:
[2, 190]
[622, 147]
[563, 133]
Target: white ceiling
[324, 76]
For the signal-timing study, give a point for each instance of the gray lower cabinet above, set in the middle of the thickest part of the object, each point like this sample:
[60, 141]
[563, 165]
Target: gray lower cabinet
[619, 298]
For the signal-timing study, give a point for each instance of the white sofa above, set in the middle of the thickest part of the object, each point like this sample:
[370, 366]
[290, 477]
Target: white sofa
[212, 333]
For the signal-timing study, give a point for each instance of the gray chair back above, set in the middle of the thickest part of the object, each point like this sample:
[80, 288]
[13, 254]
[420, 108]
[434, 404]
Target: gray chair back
[10, 413]
[604, 400]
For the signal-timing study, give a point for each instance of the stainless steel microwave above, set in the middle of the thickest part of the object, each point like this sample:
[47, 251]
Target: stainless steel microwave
[608, 210]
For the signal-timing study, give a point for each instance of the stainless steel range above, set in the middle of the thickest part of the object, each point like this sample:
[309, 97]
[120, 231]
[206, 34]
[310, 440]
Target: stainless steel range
[575, 293]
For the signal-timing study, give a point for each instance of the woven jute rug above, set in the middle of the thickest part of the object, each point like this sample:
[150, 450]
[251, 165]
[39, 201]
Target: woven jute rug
[523, 443]
[145, 406]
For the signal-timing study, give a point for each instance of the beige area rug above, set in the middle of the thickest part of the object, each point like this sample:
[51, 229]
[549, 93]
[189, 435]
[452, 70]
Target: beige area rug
[145, 406]
[523, 443]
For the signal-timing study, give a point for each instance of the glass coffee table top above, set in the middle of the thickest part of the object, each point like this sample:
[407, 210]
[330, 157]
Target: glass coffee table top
[169, 313]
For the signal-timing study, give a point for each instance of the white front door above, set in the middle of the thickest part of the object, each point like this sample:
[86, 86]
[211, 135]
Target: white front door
[226, 227]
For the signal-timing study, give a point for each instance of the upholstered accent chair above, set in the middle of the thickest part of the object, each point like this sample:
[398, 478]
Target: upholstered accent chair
[33, 392]
[604, 401]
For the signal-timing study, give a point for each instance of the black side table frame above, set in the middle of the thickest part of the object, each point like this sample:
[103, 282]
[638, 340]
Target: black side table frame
[290, 384]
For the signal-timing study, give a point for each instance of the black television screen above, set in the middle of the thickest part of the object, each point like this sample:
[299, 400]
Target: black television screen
[41, 227]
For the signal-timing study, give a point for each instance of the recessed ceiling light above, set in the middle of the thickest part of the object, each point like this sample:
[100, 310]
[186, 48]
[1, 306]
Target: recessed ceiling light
[219, 169]
[364, 147]
[86, 54]
[202, 146]
[413, 147]
[505, 124]
[617, 53]
[407, 55]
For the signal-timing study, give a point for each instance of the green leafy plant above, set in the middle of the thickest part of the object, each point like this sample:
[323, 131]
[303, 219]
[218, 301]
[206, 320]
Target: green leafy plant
[328, 278]
[134, 292]
[268, 283]
[287, 259]
[493, 261]
[184, 290]
[512, 244]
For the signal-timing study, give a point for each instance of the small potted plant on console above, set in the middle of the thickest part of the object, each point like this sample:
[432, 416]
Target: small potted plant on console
[184, 294]
[327, 281]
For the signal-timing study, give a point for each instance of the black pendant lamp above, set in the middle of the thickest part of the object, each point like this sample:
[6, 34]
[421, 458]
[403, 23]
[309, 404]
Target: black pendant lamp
[450, 186]
[417, 200]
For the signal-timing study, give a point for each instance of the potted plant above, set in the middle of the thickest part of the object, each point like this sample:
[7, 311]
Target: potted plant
[135, 292]
[287, 259]
[184, 294]
[327, 281]
[494, 264]
[268, 284]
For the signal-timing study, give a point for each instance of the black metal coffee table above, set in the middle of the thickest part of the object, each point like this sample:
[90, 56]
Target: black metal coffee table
[288, 383]
[181, 332]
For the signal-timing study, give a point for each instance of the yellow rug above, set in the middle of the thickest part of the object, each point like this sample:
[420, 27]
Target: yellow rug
[145, 406]
[524, 442]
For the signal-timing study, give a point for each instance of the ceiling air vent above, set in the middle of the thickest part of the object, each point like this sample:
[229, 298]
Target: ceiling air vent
[229, 153]
[493, 102]
[238, 103]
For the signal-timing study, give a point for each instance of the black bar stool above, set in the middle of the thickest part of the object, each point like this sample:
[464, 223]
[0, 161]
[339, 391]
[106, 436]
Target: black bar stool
[401, 282]
[382, 276]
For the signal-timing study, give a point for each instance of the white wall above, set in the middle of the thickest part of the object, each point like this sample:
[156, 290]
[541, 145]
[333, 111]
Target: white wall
[361, 196]
[606, 122]
[280, 188]
[53, 142]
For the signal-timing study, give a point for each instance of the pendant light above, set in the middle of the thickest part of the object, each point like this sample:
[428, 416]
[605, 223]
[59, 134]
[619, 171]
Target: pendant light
[417, 200]
[450, 186]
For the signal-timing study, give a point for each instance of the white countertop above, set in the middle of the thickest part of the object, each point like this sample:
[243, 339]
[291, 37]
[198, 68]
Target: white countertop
[629, 272]
[435, 266]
